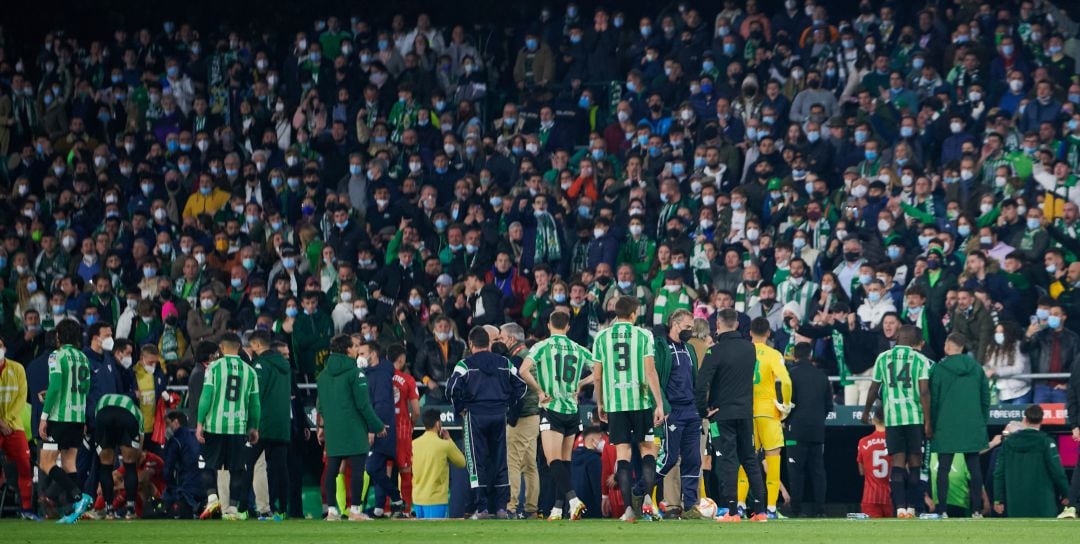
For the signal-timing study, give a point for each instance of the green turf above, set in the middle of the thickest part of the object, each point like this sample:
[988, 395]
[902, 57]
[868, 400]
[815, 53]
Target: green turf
[498, 532]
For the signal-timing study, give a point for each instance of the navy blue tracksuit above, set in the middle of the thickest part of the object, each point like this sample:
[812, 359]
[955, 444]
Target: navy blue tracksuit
[682, 429]
[482, 388]
[383, 450]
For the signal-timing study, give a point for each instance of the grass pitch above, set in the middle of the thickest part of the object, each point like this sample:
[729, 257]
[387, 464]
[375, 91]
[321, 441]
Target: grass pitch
[498, 532]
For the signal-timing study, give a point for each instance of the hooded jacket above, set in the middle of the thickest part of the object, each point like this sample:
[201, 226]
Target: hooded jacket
[345, 407]
[1028, 476]
[275, 392]
[959, 405]
[485, 383]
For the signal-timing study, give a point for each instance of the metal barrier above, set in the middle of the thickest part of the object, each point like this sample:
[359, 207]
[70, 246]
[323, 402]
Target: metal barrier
[1044, 376]
[1037, 376]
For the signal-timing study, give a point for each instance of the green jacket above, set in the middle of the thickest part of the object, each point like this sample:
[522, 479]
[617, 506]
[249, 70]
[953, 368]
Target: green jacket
[959, 405]
[346, 409]
[662, 358]
[1029, 477]
[977, 328]
[275, 395]
[310, 338]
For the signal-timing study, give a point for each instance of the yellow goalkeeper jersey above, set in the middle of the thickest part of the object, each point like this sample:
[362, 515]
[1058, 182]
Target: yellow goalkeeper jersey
[768, 370]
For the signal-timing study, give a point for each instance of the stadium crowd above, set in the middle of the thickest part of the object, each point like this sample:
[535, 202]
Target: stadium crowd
[196, 217]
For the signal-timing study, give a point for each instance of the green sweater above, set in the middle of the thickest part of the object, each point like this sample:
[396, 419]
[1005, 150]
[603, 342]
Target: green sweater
[346, 408]
[275, 396]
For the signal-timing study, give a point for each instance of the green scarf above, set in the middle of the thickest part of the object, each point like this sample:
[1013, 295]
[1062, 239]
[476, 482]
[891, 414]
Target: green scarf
[841, 361]
[547, 240]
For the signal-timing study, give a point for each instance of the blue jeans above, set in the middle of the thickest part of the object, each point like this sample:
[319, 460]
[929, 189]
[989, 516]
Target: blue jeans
[1047, 393]
[432, 511]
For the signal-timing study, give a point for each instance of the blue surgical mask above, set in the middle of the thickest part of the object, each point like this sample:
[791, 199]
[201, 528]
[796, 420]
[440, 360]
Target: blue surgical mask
[258, 302]
[236, 283]
[963, 230]
[1054, 322]
[356, 169]
[870, 154]
[893, 252]
[907, 132]
[559, 297]
[291, 311]
[531, 43]
[873, 296]
[1042, 314]
[813, 136]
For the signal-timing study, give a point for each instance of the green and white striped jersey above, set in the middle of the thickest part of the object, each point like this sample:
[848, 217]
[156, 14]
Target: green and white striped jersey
[231, 397]
[621, 350]
[121, 401]
[69, 382]
[899, 371]
[560, 362]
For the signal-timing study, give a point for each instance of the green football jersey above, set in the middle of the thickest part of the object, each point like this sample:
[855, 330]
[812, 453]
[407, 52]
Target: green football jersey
[899, 371]
[69, 380]
[231, 396]
[621, 350]
[560, 362]
[121, 401]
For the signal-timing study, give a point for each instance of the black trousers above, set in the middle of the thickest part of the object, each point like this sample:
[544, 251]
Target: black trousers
[485, 457]
[277, 471]
[734, 447]
[806, 460]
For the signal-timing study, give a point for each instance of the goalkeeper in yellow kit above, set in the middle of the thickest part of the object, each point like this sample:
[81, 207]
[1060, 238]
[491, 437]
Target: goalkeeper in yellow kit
[772, 403]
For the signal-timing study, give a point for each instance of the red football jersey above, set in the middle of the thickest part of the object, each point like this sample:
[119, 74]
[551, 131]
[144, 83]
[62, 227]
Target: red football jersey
[876, 464]
[404, 392]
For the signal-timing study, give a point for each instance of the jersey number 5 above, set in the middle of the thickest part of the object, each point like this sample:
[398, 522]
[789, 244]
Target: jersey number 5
[881, 463]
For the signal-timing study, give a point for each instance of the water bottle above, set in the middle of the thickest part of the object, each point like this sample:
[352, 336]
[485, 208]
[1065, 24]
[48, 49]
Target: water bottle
[858, 516]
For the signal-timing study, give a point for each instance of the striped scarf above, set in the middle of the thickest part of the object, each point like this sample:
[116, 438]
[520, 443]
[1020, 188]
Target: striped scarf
[841, 361]
[547, 240]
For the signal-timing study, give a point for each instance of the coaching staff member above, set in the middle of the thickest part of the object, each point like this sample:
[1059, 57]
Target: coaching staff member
[724, 393]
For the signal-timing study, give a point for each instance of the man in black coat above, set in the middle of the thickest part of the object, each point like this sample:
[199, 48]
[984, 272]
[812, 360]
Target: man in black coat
[435, 360]
[724, 393]
[805, 426]
[484, 301]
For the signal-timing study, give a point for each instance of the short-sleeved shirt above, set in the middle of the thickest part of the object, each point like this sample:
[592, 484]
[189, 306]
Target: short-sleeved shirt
[121, 401]
[559, 363]
[233, 382]
[72, 369]
[621, 350]
[768, 369]
[899, 371]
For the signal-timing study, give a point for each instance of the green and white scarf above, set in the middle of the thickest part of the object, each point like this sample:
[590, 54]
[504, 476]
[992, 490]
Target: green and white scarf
[841, 361]
[547, 240]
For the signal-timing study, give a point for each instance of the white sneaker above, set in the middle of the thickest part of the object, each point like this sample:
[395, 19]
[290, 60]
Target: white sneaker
[976, 515]
[628, 515]
[577, 508]
[556, 514]
[1068, 513]
[356, 514]
[333, 514]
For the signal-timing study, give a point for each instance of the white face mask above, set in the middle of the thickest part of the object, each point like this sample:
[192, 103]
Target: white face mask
[125, 362]
[361, 362]
[107, 344]
[360, 313]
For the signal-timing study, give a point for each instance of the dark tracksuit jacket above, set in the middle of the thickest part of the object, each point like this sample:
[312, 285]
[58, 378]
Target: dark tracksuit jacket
[182, 475]
[676, 366]
[482, 389]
